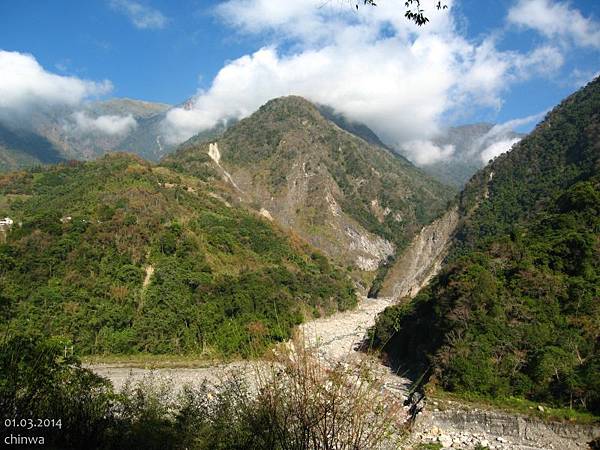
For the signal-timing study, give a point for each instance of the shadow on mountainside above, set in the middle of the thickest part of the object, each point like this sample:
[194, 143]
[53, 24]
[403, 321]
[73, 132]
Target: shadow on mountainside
[30, 144]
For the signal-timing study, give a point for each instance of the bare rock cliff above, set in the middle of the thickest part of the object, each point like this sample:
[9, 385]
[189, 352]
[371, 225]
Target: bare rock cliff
[422, 259]
[462, 426]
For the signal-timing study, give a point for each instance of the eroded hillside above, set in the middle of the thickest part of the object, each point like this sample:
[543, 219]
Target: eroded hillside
[357, 202]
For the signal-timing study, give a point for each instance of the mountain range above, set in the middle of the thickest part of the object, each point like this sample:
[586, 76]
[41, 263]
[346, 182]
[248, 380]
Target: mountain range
[220, 249]
[53, 134]
[241, 233]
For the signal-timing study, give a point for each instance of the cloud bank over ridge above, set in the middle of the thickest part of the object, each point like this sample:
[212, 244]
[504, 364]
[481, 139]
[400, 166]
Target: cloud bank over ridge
[25, 84]
[372, 66]
[109, 124]
[26, 87]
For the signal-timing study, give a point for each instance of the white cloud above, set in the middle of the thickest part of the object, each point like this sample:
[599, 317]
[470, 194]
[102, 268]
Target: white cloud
[261, 15]
[497, 148]
[141, 16]
[106, 124]
[365, 85]
[556, 20]
[503, 128]
[375, 67]
[25, 84]
[319, 21]
[542, 61]
[500, 138]
[423, 153]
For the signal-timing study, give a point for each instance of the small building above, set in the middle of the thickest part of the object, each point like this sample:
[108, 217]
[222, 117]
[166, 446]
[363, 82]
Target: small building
[6, 222]
[5, 225]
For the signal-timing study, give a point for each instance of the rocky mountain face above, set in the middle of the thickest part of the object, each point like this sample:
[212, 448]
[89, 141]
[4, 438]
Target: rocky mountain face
[356, 201]
[514, 310]
[453, 424]
[422, 260]
[61, 133]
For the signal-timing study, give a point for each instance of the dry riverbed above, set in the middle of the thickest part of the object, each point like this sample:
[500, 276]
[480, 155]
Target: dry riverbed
[334, 339]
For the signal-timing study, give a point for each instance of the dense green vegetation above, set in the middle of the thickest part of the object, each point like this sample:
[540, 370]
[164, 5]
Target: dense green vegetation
[516, 309]
[121, 256]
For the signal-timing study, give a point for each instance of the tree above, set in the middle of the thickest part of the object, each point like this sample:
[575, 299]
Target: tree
[414, 13]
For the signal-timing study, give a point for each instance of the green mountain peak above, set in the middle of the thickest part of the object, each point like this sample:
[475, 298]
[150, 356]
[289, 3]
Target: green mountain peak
[356, 201]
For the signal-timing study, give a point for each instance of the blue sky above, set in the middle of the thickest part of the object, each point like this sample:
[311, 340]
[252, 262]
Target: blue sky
[90, 39]
[496, 60]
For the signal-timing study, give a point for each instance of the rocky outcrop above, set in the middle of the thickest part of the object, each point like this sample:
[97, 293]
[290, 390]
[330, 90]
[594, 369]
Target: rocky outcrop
[215, 155]
[457, 425]
[370, 249]
[422, 259]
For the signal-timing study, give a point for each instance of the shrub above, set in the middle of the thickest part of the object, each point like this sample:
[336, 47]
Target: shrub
[292, 402]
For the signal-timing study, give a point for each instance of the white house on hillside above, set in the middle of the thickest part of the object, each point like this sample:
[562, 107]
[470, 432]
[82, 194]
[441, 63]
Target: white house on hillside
[6, 222]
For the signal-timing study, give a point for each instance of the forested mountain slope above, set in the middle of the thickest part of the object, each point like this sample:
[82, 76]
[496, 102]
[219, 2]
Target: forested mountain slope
[122, 256]
[356, 201]
[516, 308]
